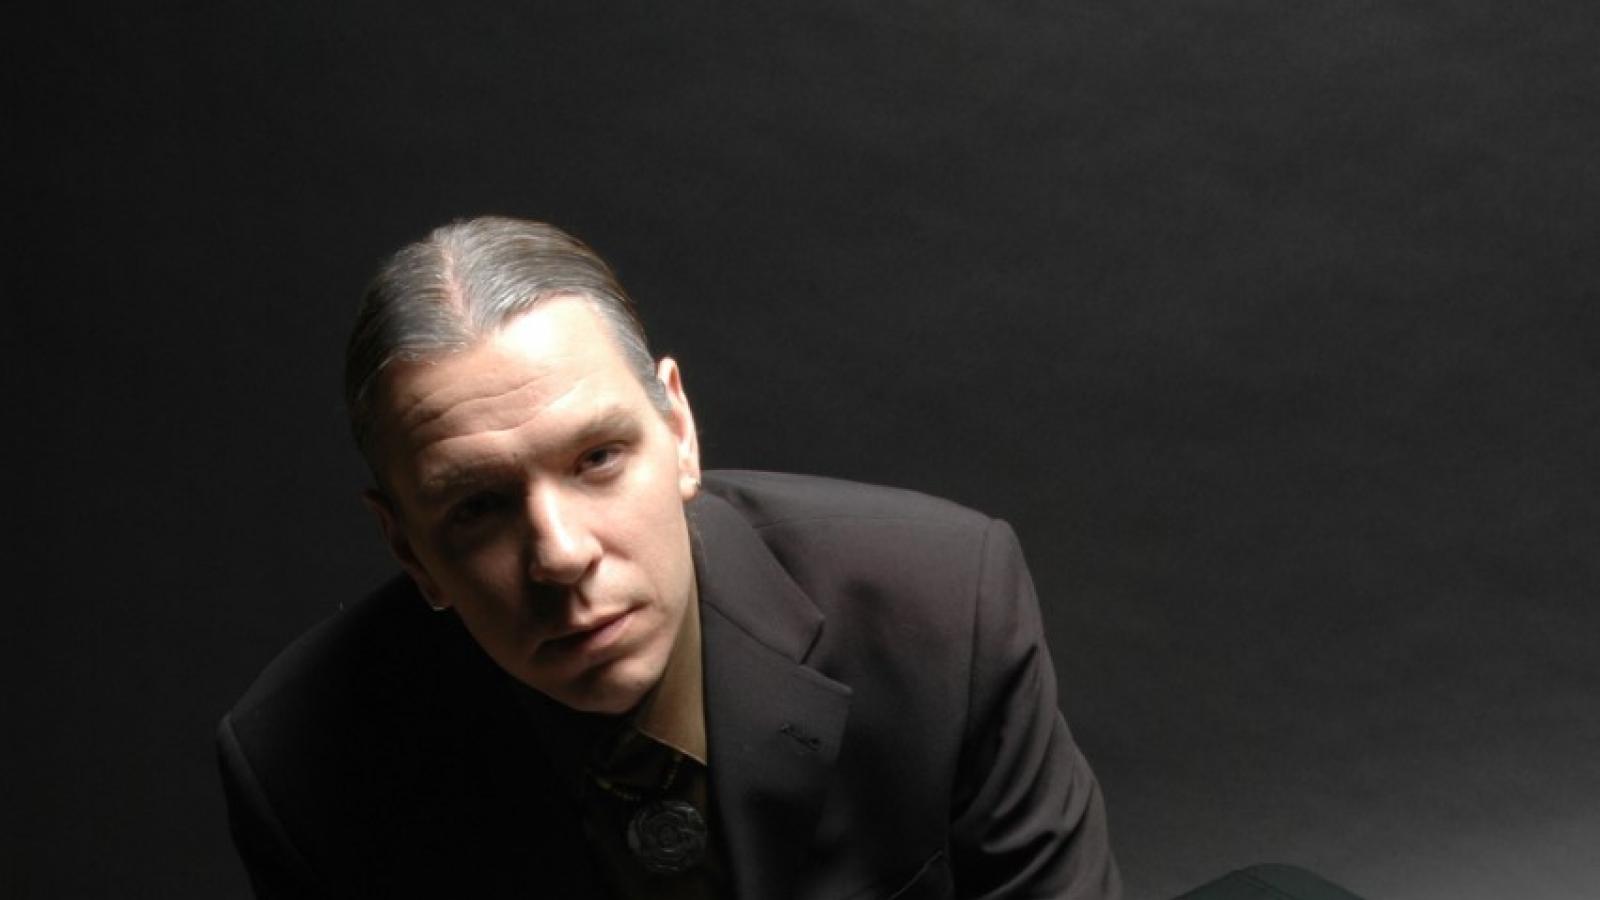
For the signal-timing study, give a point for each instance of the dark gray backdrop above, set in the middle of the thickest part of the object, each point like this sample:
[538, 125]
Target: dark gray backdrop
[1271, 326]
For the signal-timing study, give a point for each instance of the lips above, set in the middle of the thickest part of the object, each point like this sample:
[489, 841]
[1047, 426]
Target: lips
[591, 638]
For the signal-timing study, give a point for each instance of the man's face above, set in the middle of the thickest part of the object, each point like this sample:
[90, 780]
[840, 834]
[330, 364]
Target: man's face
[534, 487]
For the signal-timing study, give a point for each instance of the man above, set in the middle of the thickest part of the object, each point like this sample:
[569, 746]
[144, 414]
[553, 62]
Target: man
[605, 676]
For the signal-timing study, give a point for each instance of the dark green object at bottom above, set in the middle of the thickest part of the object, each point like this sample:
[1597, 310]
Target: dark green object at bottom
[1270, 882]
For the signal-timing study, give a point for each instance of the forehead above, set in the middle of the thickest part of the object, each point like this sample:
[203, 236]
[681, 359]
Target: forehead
[554, 362]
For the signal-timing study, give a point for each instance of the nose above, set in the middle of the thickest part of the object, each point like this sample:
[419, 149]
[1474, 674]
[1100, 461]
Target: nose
[563, 548]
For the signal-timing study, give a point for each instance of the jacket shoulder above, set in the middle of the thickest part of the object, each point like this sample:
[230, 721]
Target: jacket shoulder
[369, 731]
[860, 552]
[373, 642]
[767, 499]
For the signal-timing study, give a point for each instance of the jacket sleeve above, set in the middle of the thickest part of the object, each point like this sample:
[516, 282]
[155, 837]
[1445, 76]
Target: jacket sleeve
[277, 870]
[1029, 820]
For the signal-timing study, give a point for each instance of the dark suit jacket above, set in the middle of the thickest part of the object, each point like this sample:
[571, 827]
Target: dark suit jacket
[881, 715]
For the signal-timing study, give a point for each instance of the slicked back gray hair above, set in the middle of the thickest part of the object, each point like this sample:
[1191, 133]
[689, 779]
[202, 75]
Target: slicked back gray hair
[463, 282]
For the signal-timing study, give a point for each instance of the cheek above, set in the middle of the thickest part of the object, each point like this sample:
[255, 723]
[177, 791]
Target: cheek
[674, 570]
[655, 546]
[655, 513]
[488, 582]
[664, 527]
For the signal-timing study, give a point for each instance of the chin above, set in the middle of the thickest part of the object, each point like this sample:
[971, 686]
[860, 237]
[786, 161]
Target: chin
[613, 694]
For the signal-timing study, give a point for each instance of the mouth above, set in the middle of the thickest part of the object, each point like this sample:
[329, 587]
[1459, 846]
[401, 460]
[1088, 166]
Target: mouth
[591, 638]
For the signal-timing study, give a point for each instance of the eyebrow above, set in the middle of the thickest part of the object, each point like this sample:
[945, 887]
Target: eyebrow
[445, 484]
[609, 423]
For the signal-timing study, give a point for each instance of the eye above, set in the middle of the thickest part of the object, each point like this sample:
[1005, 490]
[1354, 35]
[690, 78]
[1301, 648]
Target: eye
[600, 461]
[477, 507]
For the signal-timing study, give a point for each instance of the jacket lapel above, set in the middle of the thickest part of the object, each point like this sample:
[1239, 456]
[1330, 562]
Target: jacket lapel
[773, 724]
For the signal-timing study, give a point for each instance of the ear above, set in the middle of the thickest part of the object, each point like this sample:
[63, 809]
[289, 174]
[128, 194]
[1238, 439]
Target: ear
[681, 422]
[395, 536]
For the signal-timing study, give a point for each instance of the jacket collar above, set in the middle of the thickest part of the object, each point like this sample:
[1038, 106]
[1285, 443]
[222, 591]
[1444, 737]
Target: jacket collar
[773, 724]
